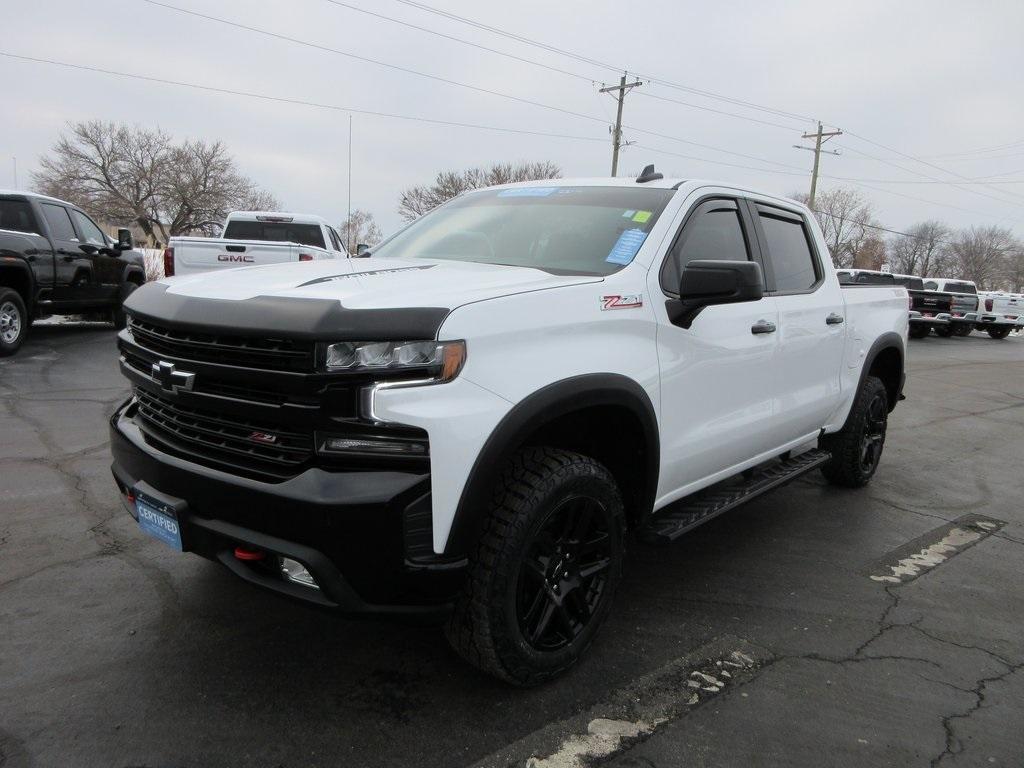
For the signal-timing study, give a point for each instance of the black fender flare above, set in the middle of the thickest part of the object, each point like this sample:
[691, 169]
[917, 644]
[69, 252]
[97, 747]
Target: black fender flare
[17, 264]
[526, 417]
[131, 271]
[888, 340]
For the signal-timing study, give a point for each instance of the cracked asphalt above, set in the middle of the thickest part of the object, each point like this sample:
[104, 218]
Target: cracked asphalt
[116, 651]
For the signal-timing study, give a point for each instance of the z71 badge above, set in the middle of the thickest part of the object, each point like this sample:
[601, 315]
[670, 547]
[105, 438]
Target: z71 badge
[629, 301]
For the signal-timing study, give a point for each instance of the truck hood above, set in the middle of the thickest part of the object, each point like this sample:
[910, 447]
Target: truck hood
[373, 283]
[348, 299]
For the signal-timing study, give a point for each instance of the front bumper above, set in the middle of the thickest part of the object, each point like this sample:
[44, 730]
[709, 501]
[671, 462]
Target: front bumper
[360, 533]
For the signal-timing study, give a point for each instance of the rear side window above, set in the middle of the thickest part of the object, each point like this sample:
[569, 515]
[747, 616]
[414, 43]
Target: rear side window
[17, 216]
[789, 252]
[274, 231]
[714, 232]
[60, 223]
[912, 283]
[931, 285]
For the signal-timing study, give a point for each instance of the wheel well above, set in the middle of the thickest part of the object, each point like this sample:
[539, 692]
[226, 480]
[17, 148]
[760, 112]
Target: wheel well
[18, 279]
[888, 366]
[612, 435]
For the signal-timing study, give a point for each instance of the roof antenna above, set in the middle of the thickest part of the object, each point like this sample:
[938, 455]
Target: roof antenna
[648, 174]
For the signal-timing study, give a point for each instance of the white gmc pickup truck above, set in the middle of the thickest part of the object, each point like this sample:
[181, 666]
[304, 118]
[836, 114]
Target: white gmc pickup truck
[473, 421]
[252, 239]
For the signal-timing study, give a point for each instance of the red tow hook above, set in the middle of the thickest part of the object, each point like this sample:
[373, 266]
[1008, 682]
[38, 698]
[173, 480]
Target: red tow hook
[249, 555]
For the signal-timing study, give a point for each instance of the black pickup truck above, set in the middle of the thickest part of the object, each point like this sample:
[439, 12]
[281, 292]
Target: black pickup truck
[929, 310]
[54, 260]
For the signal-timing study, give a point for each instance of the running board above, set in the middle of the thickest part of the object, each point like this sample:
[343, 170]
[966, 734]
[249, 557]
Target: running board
[686, 514]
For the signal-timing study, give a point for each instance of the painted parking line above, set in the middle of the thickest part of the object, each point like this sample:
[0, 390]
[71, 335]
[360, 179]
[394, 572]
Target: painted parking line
[917, 557]
[637, 710]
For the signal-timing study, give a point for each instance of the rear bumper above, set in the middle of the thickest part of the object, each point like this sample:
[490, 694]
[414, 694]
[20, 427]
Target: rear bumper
[989, 321]
[353, 531]
[933, 321]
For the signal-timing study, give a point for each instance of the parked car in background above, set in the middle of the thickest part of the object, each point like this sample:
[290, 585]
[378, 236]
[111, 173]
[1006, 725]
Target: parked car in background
[55, 260]
[255, 238]
[468, 424]
[964, 312]
[1001, 313]
[928, 310]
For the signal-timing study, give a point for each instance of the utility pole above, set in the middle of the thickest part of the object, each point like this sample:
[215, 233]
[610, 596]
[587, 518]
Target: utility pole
[621, 89]
[820, 137]
[348, 226]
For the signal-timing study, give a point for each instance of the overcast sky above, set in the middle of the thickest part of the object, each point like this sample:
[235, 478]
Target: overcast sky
[925, 78]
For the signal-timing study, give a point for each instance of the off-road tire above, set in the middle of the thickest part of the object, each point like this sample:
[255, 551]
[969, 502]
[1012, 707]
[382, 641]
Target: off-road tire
[485, 626]
[847, 466]
[998, 333]
[963, 330]
[14, 321]
[919, 331]
[117, 315]
[945, 331]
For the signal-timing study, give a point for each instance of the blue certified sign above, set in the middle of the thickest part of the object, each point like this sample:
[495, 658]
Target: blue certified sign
[626, 247]
[158, 521]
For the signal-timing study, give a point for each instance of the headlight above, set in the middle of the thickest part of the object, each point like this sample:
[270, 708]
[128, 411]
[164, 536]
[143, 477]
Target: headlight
[442, 359]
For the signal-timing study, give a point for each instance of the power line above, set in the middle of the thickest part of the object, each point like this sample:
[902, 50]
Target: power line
[463, 41]
[300, 102]
[368, 60]
[596, 62]
[716, 111]
[977, 151]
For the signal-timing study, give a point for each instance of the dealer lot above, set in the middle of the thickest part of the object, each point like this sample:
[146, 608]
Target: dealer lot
[117, 651]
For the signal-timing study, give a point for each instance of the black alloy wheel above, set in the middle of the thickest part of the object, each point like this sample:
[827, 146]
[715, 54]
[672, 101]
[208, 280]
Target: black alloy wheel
[564, 573]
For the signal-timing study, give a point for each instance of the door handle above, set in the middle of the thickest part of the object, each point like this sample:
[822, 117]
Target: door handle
[834, 319]
[762, 326]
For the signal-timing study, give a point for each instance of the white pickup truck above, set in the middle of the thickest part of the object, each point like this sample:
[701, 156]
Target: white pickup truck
[470, 423]
[255, 238]
[1000, 313]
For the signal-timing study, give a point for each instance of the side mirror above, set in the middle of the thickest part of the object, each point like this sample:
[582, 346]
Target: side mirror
[362, 249]
[125, 241]
[706, 283]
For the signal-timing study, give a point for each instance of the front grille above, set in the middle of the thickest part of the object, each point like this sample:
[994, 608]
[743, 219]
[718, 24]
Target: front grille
[206, 437]
[262, 353]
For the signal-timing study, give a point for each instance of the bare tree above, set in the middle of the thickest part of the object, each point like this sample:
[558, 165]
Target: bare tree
[982, 254]
[846, 220]
[360, 228]
[921, 251]
[129, 175]
[416, 201]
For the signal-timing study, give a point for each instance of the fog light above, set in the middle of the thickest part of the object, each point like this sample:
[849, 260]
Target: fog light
[296, 572]
[364, 445]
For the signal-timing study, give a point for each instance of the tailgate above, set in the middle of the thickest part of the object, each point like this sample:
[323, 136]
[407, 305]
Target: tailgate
[931, 303]
[1010, 306]
[203, 254]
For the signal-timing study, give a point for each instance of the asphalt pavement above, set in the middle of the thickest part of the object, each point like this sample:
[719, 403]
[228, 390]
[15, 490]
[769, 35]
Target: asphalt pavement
[812, 627]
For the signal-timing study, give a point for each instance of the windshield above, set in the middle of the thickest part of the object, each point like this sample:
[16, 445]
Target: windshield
[911, 282]
[273, 231]
[564, 230]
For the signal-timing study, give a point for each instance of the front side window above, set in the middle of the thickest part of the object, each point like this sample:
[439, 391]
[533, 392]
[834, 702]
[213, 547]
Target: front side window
[931, 285]
[789, 249]
[563, 230]
[335, 239]
[89, 231]
[715, 232]
[16, 216]
[59, 221]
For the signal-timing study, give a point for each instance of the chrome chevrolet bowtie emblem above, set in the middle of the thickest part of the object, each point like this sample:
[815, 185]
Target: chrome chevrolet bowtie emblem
[170, 379]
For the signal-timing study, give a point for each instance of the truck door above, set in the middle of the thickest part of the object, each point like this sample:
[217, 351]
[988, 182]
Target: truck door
[73, 279]
[107, 270]
[812, 317]
[716, 402]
